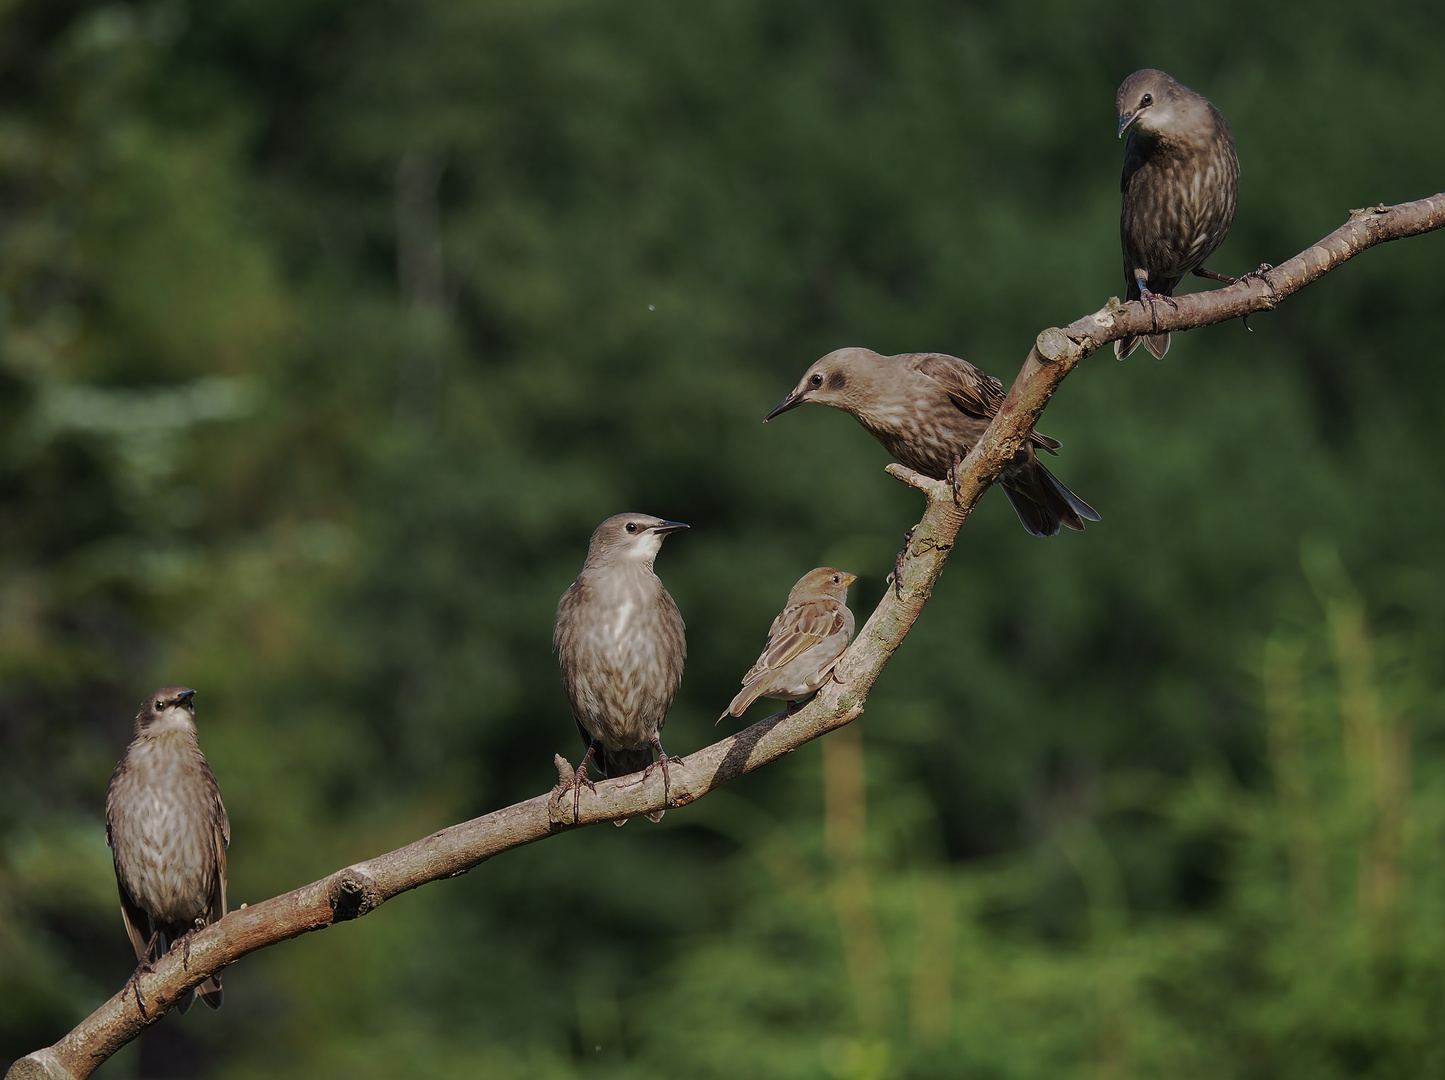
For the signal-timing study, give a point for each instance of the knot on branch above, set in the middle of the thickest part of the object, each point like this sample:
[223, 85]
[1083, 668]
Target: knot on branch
[353, 893]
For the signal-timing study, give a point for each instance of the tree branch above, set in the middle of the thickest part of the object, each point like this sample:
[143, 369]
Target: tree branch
[359, 889]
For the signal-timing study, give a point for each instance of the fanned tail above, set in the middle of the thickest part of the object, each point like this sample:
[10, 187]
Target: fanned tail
[1044, 504]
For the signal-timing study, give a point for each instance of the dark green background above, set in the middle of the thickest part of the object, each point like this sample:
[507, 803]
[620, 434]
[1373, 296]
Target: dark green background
[241, 451]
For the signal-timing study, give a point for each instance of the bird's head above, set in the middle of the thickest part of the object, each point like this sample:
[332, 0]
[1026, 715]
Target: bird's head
[1149, 103]
[840, 379]
[629, 537]
[170, 707]
[824, 583]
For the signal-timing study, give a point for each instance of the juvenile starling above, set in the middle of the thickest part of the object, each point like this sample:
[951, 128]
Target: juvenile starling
[804, 641]
[620, 643]
[168, 833]
[928, 410]
[1180, 185]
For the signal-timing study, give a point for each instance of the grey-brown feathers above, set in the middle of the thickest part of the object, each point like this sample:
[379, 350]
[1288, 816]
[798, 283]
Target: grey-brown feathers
[168, 832]
[804, 641]
[621, 643]
[928, 410]
[1180, 187]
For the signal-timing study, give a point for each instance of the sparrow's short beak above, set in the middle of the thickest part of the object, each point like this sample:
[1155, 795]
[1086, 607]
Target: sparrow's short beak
[792, 401]
[668, 527]
[848, 579]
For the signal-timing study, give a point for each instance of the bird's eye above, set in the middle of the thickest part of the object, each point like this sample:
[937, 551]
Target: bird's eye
[835, 579]
[817, 379]
[632, 526]
[1147, 99]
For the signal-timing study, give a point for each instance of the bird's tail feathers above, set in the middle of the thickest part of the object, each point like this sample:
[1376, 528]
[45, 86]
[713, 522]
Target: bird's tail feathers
[750, 693]
[1044, 504]
[1157, 344]
[210, 992]
[617, 763]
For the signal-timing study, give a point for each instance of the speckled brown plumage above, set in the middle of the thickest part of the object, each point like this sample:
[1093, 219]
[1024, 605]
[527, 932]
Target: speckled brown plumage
[1180, 187]
[804, 642]
[168, 833]
[928, 410]
[621, 645]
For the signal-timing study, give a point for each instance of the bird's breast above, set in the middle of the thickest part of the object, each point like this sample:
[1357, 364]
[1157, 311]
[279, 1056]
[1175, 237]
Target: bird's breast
[163, 831]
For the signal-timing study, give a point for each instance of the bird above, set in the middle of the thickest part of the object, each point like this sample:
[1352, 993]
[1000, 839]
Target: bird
[804, 642]
[1180, 187]
[928, 410]
[621, 645]
[168, 834]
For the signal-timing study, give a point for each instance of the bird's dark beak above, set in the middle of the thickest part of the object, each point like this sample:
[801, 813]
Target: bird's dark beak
[185, 698]
[1126, 121]
[668, 527]
[792, 401]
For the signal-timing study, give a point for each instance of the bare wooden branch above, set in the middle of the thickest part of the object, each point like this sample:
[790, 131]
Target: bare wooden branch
[360, 889]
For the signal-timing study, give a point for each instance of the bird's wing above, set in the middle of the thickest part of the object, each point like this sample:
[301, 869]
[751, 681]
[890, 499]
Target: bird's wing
[1135, 155]
[973, 391]
[795, 631]
[220, 842]
[137, 922]
[968, 388]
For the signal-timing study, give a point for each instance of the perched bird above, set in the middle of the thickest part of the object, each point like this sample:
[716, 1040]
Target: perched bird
[804, 642]
[1180, 185]
[928, 410]
[168, 834]
[620, 643]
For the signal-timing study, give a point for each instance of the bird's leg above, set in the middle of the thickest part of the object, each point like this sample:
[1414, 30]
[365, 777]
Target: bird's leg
[145, 967]
[952, 476]
[200, 924]
[1258, 272]
[898, 565]
[575, 784]
[1200, 271]
[663, 760]
[134, 984]
[1148, 296]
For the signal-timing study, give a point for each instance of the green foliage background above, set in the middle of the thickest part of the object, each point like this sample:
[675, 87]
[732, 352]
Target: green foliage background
[1163, 798]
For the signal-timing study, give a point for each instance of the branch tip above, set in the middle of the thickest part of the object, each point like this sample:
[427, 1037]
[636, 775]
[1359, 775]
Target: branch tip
[41, 1065]
[936, 490]
[1055, 345]
[565, 772]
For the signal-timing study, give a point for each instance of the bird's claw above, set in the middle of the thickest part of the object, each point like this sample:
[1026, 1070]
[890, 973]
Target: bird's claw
[1152, 299]
[145, 967]
[140, 1001]
[664, 761]
[952, 478]
[575, 785]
